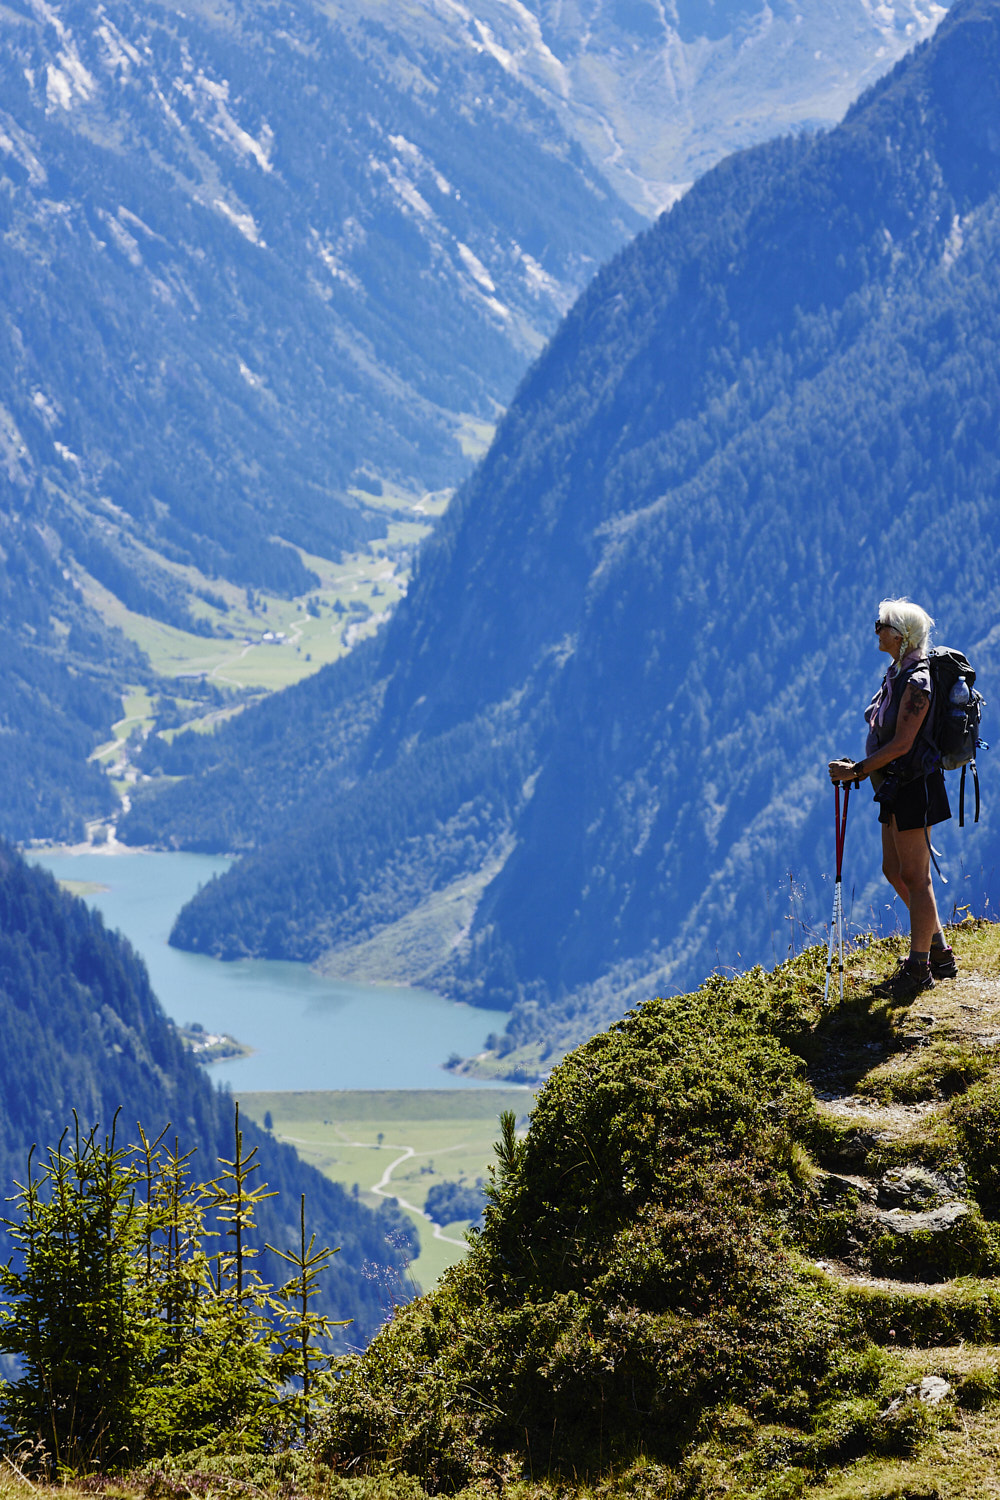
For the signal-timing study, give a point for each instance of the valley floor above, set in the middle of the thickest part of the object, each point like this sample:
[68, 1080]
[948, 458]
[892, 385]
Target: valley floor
[397, 1144]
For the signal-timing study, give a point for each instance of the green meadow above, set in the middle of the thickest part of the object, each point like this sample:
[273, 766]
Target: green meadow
[353, 595]
[400, 1142]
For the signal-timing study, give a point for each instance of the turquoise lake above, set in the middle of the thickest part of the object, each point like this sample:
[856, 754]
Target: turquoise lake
[306, 1032]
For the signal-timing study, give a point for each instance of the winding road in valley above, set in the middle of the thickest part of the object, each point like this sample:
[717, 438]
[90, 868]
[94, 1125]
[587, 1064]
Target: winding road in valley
[382, 1189]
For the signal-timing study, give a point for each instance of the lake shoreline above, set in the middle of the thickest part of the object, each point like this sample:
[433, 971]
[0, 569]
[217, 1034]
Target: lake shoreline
[303, 1031]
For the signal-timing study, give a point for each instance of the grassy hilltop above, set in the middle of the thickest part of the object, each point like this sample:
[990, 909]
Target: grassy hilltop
[744, 1247]
[748, 1247]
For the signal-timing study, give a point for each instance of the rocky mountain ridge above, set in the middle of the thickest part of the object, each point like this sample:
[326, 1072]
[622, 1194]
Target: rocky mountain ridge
[264, 284]
[318, 299]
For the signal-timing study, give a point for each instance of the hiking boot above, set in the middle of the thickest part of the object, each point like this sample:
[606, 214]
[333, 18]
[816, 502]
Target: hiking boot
[943, 964]
[906, 983]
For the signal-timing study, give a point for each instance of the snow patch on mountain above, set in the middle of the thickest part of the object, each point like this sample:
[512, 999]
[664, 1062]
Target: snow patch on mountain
[953, 245]
[209, 99]
[912, 18]
[119, 52]
[408, 194]
[127, 243]
[68, 456]
[521, 50]
[68, 78]
[15, 459]
[243, 222]
[50, 16]
[535, 43]
[497, 308]
[16, 143]
[414, 155]
[403, 147]
[128, 217]
[167, 107]
[475, 268]
[255, 382]
[493, 47]
[540, 282]
[45, 407]
[328, 255]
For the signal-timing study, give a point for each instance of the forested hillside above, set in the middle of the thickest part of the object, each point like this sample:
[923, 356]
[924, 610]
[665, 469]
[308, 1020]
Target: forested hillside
[780, 404]
[57, 691]
[83, 1031]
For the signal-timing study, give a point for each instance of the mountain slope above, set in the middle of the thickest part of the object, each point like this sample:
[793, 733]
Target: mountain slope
[260, 283]
[260, 264]
[778, 405]
[84, 1032]
[771, 423]
[658, 93]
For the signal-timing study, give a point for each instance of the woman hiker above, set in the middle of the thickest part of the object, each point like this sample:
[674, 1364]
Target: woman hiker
[909, 802]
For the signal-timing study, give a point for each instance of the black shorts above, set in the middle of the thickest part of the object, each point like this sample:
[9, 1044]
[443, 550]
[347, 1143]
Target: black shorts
[919, 803]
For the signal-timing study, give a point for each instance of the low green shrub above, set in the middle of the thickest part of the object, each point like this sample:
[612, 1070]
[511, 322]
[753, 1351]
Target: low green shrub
[979, 1388]
[288, 1476]
[900, 1431]
[638, 1294]
[632, 1272]
[975, 1119]
[842, 1430]
[966, 1310]
[939, 1071]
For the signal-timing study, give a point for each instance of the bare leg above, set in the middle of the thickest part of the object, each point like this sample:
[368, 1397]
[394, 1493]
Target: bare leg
[914, 873]
[890, 863]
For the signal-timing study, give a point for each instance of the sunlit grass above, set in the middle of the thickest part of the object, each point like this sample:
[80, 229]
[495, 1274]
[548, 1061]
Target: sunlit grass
[352, 1137]
[309, 631]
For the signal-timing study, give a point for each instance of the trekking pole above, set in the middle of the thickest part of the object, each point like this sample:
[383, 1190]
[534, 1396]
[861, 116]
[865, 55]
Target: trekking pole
[837, 920]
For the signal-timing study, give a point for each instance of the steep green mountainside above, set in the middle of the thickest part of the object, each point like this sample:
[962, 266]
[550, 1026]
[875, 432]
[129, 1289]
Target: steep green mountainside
[84, 1032]
[748, 1247]
[266, 276]
[658, 93]
[57, 692]
[656, 593]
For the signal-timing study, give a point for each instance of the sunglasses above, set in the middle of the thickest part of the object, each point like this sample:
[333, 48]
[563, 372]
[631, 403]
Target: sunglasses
[881, 625]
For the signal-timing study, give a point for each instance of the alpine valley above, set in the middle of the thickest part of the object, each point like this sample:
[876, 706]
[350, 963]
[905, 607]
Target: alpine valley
[586, 761]
[268, 274]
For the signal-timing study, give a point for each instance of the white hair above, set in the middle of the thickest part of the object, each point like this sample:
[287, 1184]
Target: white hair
[910, 621]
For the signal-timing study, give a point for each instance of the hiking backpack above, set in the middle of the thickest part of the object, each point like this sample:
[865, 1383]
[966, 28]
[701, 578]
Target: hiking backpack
[952, 737]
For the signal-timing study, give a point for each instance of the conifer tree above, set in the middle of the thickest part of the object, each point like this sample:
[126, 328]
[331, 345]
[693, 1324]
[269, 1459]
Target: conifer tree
[135, 1338]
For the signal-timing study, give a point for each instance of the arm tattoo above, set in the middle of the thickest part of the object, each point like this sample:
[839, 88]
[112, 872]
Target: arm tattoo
[915, 702]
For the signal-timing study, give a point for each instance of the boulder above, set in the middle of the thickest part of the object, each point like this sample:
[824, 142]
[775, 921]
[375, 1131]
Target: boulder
[930, 1221]
[916, 1187]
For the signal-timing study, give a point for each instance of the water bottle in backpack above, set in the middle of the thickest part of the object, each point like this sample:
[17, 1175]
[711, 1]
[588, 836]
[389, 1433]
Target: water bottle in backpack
[956, 716]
